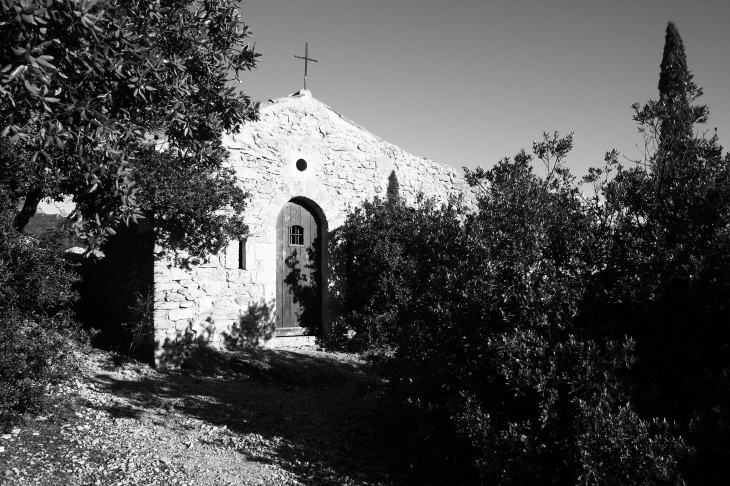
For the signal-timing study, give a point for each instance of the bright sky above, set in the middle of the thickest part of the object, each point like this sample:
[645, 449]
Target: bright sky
[467, 82]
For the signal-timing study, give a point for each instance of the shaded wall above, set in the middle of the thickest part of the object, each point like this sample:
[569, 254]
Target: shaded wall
[111, 286]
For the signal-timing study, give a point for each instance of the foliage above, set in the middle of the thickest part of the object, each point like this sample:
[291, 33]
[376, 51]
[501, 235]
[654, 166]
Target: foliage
[142, 325]
[664, 227]
[38, 338]
[88, 86]
[476, 319]
[677, 91]
[190, 209]
[375, 246]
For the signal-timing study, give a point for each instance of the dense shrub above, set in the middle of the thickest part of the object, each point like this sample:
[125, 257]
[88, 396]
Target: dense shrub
[666, 284]
[388, 255]
[38, 338]
[664, 227]
[475, 319]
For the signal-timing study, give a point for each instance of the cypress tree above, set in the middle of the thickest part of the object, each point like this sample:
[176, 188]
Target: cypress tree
[676, 90]
[675, 117]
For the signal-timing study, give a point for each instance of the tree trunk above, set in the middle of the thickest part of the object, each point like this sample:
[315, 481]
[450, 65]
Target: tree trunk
[29, 208]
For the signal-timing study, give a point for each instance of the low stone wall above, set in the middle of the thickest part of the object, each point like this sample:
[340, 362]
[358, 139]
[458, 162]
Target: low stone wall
[209, 303]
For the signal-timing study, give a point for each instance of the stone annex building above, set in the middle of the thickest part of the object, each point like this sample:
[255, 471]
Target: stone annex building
[305, 167]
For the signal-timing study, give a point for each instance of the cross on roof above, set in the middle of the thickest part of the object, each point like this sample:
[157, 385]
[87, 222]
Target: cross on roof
[306, 58]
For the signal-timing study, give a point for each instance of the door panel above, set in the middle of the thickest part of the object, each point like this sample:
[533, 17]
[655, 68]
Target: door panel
[298, 292]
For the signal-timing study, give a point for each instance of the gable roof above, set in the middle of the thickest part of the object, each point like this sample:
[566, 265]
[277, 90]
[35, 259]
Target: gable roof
[304, 98]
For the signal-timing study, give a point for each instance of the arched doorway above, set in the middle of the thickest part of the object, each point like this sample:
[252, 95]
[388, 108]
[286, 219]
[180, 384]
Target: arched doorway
[300, 233]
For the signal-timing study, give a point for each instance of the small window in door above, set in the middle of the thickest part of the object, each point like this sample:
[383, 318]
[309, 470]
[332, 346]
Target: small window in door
[296, 236]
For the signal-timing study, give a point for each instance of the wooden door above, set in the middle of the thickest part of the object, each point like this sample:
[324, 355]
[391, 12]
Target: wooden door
[298, 299]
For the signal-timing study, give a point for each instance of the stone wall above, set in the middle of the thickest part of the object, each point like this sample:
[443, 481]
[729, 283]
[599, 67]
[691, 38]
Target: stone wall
[230, 298]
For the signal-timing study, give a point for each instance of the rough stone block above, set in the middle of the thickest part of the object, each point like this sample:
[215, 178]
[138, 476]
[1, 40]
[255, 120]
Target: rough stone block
[178, 314]
[186, 304]
[256, 293]
[224, 304]
[226, 325]
[270, 236]
[211, 273]
[160, 286]
[164, 339]
[164, 324]
[178, 274]
[243, 138]
[239, 276]
[199, 326]
[250, 254]
[232, 253]
[205, 302]
[267, 264]
[174, 297]
[189, 284]
[266, 276]
[185, 294]
[270, 291]
[167, 305]
[242, 300]
[160, 269]
[184, 336]
[247, 174]
[383, 161]
[182, 325]
[216, 316]
[212, 288]
[265, 251]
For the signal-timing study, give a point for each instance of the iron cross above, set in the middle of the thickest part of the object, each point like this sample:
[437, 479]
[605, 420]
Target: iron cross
[306, 58]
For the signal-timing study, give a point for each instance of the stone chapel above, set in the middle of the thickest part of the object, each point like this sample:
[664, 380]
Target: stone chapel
[305, 166]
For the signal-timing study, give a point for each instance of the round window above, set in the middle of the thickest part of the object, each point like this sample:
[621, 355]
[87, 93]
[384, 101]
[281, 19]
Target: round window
[301, 165]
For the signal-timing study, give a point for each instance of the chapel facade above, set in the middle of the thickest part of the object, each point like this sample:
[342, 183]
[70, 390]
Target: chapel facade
[305, 167]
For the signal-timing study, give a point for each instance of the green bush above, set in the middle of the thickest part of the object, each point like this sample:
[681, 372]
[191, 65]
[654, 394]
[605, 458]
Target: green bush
[39, 341]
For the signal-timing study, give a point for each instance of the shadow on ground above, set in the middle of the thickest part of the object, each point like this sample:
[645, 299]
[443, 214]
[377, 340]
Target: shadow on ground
[314, 408]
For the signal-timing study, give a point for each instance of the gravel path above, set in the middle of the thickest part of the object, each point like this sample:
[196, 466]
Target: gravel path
[268, 417]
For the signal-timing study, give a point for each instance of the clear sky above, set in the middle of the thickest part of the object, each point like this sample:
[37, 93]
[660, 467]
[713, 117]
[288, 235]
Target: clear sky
[467, 82]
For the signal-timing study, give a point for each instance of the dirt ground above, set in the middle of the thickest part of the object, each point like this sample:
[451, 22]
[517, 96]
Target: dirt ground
[264, 417]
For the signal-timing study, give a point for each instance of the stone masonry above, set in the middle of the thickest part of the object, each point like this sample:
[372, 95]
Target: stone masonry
[229, 299]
